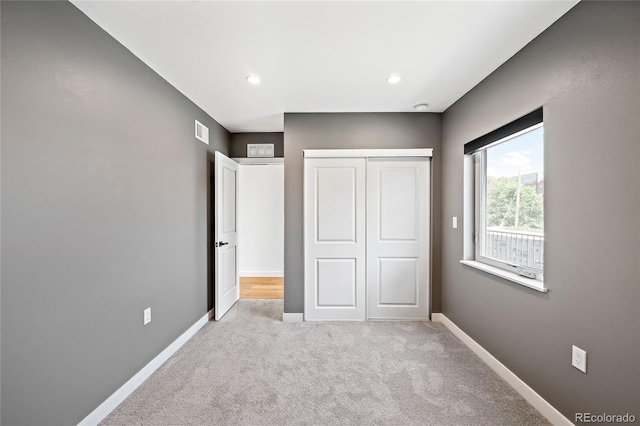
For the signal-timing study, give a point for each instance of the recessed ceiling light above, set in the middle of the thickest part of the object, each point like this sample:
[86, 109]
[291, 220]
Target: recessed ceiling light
[253, 79]
[393, 79]
[421, 107]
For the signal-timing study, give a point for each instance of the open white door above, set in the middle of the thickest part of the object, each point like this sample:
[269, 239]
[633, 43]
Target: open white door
[227, 288]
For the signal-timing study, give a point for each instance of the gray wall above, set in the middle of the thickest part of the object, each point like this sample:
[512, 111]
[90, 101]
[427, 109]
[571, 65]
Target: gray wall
[585, 71]
[239, 141]
[350, 130]
[104, 213]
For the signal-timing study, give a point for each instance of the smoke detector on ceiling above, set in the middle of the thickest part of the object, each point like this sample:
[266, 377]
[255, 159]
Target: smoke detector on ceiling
[394, 79]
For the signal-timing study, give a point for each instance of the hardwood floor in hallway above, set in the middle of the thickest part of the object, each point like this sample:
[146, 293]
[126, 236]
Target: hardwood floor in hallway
[261, 288]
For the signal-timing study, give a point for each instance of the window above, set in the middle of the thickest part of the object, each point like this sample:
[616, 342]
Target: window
[504, 206]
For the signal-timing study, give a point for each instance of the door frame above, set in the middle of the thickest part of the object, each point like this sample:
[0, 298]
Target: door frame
[270, 162]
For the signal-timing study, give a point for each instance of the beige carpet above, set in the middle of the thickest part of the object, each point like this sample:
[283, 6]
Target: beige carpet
[253, 369]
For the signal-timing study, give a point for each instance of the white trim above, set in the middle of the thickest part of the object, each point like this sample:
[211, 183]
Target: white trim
[267, 274]
[532, 397]
[397, 319]
[292, 317]
[366, 153]
[258, 160]
[111, 403]
[510, 276]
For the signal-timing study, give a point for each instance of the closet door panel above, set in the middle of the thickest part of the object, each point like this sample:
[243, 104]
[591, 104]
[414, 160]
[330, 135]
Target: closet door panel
[336, 282]
[334, 212]
[398, 204]
[398, 281]
[398, 239]
[336, 196]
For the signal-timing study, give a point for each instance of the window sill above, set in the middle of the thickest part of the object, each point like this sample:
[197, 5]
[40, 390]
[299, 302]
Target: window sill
[510, 276]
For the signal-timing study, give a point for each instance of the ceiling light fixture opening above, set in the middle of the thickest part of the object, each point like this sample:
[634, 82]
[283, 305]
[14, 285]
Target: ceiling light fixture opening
[393, 79]
[421, 107]
[253, 79]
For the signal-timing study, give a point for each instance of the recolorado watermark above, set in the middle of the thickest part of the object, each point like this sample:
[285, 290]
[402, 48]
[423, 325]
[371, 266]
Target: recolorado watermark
[604, 418]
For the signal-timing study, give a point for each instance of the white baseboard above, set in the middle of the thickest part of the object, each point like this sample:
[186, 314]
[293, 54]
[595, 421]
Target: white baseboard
[292, 317]
[261, 273]
[110, 404]
[532, 397]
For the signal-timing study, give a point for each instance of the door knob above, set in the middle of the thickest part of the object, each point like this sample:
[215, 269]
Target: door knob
[221, 243]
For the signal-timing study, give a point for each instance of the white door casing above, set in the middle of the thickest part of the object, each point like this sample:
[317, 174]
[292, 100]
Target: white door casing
[334, 231]
[398, 238]
[227, 288]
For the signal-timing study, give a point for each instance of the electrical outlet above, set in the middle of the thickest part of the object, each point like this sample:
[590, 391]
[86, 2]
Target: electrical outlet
[147, 316]
[579, 358]
[454, 222]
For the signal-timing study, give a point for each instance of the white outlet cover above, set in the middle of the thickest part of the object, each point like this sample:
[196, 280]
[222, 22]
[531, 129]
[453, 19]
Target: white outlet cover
[579, 358]
[455, 222]
[147, 316]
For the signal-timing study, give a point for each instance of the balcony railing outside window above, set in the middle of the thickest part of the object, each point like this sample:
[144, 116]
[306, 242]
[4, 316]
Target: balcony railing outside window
[516, 247]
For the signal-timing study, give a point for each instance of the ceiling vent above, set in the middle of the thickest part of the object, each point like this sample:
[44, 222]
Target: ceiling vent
[260, 150]
[202, 132]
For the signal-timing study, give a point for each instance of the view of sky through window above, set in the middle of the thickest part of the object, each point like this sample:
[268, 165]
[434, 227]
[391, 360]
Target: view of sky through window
[515, 183]
[523, 153]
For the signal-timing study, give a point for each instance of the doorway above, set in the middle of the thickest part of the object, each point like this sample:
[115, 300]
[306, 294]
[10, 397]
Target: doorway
[261, 228]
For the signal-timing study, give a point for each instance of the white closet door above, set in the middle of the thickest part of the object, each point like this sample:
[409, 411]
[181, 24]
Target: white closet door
[398, 239]
[334, 203]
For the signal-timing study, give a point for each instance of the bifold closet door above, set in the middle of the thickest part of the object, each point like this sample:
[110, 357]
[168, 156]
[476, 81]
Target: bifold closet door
[335, 246]
[398, 238]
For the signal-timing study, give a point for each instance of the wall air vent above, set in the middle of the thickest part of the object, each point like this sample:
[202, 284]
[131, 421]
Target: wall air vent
[259, 150]
[202, 132]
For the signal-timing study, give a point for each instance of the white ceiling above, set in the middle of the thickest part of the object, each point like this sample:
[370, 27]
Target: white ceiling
[321, 56]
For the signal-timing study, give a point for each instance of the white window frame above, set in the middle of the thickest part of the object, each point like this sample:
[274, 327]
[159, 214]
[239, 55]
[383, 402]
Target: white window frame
[474, 211]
